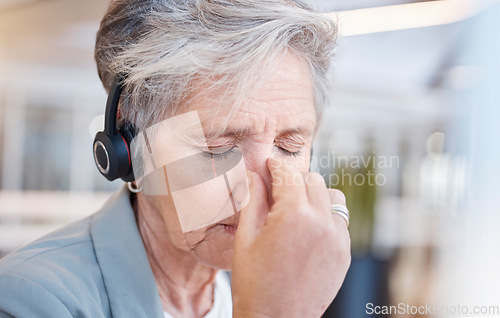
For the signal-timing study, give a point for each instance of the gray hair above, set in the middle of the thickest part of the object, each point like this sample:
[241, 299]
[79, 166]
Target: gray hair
[170, 48]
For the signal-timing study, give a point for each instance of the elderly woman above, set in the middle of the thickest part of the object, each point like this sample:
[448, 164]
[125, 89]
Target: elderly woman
[217, 103]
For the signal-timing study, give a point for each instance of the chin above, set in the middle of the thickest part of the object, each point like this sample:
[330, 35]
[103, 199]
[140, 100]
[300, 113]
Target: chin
[222, 260]
[218, 258]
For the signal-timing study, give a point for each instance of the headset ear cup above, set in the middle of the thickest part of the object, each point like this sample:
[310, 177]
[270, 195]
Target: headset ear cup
[128, 134]
[112, 156]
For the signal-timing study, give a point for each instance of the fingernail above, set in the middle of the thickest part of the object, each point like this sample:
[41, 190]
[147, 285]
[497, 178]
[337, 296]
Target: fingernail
[249, 177]
[246, 199]
[273, 160]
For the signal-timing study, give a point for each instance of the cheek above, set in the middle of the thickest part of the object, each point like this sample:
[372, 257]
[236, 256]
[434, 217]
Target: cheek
[212, 246]
[202, 205]
[209, 202]
[166, 209]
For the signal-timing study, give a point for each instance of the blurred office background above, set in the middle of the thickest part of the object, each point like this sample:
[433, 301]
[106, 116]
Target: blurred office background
[404, 135]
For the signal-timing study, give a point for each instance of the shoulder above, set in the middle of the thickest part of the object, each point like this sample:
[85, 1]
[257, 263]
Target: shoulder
[59, 268]
[22, 297]
[91, 268]
[55, 249]
[75, 234]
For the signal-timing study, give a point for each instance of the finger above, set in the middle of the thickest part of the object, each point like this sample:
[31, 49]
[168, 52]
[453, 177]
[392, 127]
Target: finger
[287, 183]
[254, 214]
[317, 192]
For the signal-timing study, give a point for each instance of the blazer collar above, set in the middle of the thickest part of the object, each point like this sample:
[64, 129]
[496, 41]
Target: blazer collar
[121, 255]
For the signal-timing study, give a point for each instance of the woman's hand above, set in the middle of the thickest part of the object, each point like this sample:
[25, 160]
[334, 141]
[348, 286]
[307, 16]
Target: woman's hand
[290, 259]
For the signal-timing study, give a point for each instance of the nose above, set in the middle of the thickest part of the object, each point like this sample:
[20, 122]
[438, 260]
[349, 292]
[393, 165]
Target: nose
[256, 161]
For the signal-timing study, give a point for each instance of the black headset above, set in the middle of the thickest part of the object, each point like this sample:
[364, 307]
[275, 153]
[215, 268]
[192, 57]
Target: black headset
[112, 146]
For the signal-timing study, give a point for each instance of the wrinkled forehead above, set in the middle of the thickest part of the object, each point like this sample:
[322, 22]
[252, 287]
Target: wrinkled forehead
[283, 98]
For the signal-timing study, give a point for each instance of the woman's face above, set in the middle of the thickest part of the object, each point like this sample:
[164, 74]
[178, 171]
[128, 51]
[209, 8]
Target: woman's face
[279, 118]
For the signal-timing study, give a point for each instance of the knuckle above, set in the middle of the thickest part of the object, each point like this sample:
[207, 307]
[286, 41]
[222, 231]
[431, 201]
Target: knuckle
[337, 196]
[314, 178]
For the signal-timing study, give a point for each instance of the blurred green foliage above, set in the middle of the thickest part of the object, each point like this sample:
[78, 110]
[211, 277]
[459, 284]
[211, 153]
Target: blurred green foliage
[357, 182]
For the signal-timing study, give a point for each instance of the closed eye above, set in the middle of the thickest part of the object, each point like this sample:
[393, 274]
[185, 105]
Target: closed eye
[289, 153]
[215, 155]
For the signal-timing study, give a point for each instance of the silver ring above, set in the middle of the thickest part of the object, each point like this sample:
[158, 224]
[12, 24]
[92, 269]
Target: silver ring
[340, 210]
[133, 188]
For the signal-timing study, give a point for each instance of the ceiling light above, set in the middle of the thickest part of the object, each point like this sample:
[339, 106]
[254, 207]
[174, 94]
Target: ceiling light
[406, 16]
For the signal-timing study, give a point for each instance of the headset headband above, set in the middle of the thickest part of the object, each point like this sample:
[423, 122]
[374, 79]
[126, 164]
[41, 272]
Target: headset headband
[112, 103]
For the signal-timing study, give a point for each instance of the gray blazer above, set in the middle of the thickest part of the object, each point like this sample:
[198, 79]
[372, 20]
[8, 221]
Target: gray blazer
[96, 267]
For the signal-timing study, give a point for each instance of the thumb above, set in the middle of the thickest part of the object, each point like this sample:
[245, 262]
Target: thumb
[254, 214]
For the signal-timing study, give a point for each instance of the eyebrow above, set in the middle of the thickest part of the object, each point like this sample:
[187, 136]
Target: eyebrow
[238, 133]
[306, 132]
[233, 133]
